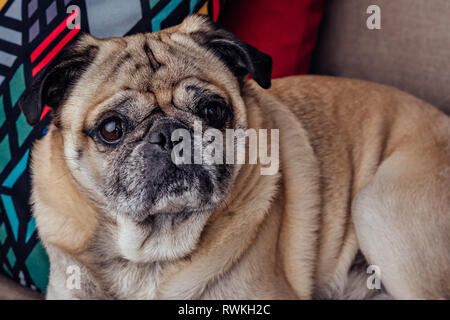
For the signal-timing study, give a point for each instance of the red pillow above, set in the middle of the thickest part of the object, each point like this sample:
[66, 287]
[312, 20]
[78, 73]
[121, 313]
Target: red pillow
[287, 30]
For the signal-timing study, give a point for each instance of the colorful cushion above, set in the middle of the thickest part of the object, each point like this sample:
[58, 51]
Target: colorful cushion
[32, 32]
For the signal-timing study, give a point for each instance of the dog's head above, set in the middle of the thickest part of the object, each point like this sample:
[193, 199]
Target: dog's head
[116, 103]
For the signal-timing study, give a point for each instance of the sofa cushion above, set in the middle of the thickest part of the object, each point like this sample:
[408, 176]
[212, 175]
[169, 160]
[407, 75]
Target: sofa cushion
[411, 51]
[287, 30]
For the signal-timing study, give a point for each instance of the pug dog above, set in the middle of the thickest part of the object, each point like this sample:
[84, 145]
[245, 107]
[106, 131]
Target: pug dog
[359, 208]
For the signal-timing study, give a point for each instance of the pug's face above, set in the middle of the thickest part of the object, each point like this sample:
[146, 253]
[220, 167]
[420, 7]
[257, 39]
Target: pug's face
[116, 104]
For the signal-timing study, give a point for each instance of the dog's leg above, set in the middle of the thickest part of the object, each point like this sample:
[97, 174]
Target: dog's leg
[402, 221]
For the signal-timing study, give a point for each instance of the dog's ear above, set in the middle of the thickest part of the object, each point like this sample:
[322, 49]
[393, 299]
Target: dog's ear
[51, 86]
[240, 57]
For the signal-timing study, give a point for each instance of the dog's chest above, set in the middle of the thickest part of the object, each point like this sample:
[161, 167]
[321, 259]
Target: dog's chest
[126, 280]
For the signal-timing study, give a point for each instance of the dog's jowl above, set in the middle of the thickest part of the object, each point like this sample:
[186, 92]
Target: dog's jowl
[354, 184]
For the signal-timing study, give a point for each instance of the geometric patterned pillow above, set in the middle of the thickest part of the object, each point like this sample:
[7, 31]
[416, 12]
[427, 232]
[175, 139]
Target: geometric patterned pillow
[32, 32]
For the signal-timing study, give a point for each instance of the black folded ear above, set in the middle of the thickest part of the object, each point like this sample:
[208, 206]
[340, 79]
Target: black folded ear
[51, 86]
[240, 57]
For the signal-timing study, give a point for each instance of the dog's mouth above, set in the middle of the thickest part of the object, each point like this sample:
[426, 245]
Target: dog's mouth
[171, 190]
[178, 183]
[177, 197]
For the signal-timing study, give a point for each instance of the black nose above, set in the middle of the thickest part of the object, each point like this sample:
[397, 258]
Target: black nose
[161, 134]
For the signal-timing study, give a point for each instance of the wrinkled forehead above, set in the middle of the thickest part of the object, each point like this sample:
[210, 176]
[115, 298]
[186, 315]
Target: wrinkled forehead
[155, 61]
[150, 62]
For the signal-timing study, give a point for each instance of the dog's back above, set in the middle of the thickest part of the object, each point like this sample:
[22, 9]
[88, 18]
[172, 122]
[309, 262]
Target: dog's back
[390, 152]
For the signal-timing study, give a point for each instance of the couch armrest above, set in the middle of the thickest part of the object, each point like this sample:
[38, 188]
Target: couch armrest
[10, 290]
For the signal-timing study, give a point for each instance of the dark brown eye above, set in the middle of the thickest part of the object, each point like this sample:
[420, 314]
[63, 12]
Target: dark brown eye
[214, 114]
[111, 130]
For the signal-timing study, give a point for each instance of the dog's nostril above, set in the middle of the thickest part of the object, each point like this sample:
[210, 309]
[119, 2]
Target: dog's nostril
[161, 135]
[158, 138]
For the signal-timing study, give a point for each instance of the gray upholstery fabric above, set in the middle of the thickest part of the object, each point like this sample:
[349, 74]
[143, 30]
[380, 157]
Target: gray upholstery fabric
[410, 52]
[10, 290]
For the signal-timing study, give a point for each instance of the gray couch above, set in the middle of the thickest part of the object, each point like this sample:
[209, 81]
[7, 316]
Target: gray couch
[411, 51]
